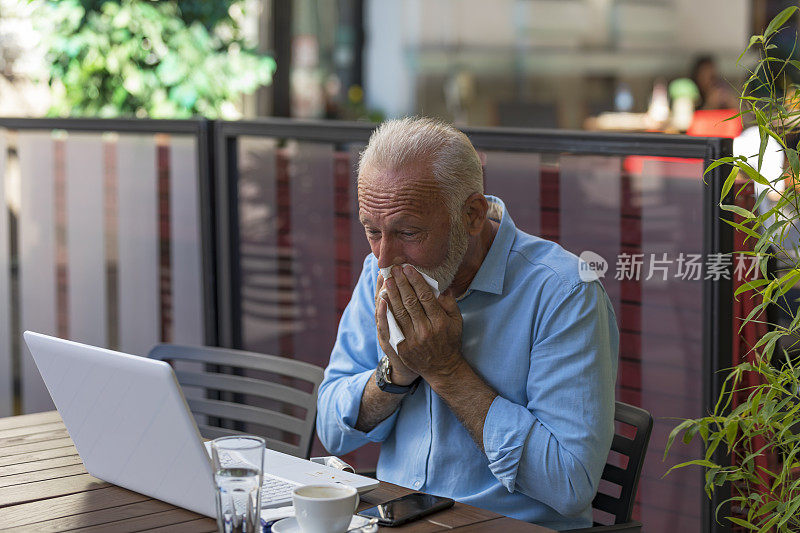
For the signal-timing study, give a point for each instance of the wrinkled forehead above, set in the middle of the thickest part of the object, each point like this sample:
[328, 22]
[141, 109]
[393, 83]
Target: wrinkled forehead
[410, 191]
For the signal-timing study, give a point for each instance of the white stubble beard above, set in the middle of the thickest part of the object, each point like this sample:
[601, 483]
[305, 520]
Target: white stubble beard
[457, 245]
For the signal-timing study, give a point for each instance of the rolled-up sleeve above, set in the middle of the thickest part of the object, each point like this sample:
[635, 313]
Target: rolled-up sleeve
[353, 360]
[554, 448]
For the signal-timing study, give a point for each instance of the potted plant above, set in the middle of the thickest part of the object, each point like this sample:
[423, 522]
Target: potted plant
[758, 409]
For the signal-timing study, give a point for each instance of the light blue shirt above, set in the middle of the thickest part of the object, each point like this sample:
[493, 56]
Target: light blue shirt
[544, 340]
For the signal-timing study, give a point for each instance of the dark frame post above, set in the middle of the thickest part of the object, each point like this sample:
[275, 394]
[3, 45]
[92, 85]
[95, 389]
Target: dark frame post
[717, 313]
[281, 22]
[206, 156]
[227, 238]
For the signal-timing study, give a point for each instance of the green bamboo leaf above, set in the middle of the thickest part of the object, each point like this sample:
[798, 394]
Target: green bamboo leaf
[741, 211]
[750, 285]
[715, 440]
[768, 473]
[756, 310]
[743, 229]
[766, 527]
[767, 507]
[789, 513]
[775, 136]
[753, 40]
[730, 433]
[752, 173]
[695, 462]
[769, 348]
[787, 281]
[703, 430]
[680, 427]
[795, 323]
[721, 161]
[741, 522]
[779, 20]
[794, 160]
[764, 339]
[760, 199]
[689, 435]
[755, 404]
[766, 238]
[726, 187]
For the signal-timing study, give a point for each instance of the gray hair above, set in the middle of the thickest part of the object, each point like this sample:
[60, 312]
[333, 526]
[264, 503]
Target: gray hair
[453, 161]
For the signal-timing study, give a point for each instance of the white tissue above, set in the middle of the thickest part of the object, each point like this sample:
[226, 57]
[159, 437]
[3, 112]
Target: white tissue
[395, 334]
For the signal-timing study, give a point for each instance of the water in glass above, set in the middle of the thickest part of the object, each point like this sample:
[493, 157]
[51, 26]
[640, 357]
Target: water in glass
[237, 500]
[238, 468]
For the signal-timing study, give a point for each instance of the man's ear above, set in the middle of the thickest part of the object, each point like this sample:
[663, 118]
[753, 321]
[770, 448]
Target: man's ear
[475, 210]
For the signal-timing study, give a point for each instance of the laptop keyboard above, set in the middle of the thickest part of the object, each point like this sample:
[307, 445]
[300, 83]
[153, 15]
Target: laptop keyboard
[274, 492]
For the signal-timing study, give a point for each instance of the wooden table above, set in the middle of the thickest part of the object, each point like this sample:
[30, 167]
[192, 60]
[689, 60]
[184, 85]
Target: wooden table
[44, 487]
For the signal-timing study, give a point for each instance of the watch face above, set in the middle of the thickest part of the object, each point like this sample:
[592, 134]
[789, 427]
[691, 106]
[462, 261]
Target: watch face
[384, 369]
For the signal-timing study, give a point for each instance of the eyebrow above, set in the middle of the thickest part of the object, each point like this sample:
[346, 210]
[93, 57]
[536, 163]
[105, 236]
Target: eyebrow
[402, 220]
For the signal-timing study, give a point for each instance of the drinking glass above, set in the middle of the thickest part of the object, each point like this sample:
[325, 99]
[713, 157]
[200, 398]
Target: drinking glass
[238, 471]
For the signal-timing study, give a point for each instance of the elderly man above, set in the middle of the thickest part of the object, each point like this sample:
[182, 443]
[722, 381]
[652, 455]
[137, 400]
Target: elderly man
[502, 393]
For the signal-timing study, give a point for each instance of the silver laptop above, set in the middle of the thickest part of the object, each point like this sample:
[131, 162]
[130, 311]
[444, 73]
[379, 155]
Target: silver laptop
[131, 426]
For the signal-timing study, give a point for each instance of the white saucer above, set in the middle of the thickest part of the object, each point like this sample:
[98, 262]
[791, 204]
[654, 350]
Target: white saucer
[290, 525]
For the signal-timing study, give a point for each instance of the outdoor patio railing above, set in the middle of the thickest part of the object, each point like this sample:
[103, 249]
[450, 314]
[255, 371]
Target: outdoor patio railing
[246, 234]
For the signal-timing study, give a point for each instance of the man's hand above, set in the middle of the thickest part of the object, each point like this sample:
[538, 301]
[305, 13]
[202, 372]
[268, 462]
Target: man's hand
[432, 327]
[400, 375]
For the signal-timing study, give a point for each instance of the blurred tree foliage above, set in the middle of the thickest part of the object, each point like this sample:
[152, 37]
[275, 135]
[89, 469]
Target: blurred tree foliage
[149, 58]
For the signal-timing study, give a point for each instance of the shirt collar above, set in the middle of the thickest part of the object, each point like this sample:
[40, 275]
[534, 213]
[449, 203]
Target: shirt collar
[492, 273]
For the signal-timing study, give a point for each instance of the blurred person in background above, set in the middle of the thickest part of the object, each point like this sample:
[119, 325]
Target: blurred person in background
[714, 92]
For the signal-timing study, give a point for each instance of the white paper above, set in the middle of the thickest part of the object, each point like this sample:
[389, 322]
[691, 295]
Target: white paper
[277, 512]
[395, 333]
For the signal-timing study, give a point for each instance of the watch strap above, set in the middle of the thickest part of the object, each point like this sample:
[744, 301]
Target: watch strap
[385, 386]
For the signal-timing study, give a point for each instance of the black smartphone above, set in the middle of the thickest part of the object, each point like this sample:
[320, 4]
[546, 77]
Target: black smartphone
[407, 508]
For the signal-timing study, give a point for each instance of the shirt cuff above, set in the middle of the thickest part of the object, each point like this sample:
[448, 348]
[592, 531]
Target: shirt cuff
[349, 404]
[505, 432]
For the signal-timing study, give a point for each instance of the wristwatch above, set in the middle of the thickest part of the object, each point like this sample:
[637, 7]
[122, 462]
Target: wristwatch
[384, 381]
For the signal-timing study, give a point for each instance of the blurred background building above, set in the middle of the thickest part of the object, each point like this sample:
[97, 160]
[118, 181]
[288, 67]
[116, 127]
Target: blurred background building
[530, 63]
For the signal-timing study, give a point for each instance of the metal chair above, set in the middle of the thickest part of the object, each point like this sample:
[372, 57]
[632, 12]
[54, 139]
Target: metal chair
[248, 381]
[627, 478]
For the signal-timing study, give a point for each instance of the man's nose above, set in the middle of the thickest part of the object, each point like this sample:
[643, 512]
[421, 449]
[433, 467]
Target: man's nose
[390, 253]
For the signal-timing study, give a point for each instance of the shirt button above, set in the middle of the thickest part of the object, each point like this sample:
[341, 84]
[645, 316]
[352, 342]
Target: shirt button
[417, 484]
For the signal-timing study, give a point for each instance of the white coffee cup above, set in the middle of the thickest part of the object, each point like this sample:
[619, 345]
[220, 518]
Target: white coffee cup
[324, 508]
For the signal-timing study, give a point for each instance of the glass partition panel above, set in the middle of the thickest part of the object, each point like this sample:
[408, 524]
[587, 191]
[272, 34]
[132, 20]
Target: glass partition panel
[84, 242]
[301, 244]
[669, 373]
[515, 177]
[37, 256]
[186, 257]
[137, 240]
[267, 295]
[589, 203]
[301, 251]
[103, 246]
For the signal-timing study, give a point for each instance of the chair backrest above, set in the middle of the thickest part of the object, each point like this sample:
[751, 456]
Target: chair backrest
[634, 450]
[231, 377]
